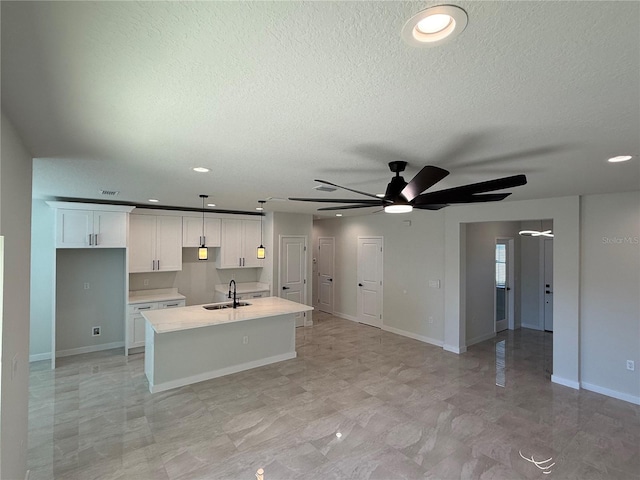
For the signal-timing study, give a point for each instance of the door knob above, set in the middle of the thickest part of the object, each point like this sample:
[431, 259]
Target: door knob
[360, 285]
[330, 279]
[285, 288]
[548, 291]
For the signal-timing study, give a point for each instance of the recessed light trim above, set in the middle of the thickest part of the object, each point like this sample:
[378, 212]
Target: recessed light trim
[620, 158]
[201, 169]
[211, 204]
[338, 214]
[154, 200]
[380, 195]
[434, 26]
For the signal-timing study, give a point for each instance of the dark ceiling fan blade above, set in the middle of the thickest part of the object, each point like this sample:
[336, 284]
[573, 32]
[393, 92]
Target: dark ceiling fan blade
[346, 188]
[450, 195]
[378, 201]
[430, 206]
[425, 178]
[346, 207]
[488, 197]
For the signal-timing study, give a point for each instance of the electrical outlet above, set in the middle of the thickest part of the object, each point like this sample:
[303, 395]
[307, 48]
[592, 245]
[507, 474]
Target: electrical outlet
[631, 365]
[145, 282]
[245, 339]
[430, 319]
[86, 285]
[95, 331]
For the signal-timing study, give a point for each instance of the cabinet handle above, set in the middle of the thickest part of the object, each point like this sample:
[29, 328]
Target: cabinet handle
[158, 264]
[96, 239]
[143, 308]
[90, 239]
[171, 305]
[239, 261]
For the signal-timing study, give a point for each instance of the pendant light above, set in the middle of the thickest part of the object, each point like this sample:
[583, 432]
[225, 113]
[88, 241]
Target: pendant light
[261, 249]
[203, 251]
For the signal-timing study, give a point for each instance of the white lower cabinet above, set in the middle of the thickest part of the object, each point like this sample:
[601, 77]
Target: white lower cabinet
[135, 320]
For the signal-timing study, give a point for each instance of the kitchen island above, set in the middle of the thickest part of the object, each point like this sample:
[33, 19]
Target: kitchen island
[192, 344]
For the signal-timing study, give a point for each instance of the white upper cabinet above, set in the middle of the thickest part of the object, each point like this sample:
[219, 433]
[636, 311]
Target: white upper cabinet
[240, 240]
[78, 227]
[155, 243]
[192, 231]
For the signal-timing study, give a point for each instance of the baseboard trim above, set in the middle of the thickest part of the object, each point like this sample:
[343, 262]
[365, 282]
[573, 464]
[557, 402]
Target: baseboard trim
[452, 349]
[36, 357]
[565, 382]
[481, 338]
[345, 316]
[201, 377]
[531, 326]
[611, 393]
[415, 336]
[89, 349]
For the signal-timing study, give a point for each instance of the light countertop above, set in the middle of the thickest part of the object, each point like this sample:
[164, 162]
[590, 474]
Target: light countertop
[244, 287]
[154, 295]
[195, 316]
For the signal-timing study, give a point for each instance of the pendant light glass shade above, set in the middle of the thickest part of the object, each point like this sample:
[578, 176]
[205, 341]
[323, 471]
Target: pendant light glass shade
[261, 250]
[203, 251]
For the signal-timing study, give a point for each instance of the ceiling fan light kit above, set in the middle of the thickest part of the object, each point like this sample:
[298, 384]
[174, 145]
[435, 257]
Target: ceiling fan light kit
[403, 197]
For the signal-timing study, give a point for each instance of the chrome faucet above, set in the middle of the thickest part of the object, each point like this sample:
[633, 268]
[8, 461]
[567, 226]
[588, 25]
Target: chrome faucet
[235, 301]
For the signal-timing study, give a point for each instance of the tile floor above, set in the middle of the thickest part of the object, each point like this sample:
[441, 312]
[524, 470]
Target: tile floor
[356, 403]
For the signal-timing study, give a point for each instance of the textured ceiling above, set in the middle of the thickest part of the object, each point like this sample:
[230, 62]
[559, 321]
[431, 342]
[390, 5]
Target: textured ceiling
[129, 96]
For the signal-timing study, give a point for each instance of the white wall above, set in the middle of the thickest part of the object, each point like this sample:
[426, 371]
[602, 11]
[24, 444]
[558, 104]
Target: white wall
[610, 294]
[78, 310]
[43, 253]
[15, 226]
[480, 276]
[413, 255]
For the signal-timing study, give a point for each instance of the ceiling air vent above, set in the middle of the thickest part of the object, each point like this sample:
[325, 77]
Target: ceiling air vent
[109, 193]
[325, 188]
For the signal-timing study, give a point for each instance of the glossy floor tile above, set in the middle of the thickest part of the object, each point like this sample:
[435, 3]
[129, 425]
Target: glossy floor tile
[357, 403]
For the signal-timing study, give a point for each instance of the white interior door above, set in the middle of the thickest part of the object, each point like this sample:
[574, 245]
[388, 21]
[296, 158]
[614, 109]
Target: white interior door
[369, 295]
[326, 251]
[293, 254]
[504, 278]
[548, 284]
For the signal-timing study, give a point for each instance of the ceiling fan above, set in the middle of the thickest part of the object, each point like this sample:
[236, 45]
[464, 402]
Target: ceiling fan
[402, 197]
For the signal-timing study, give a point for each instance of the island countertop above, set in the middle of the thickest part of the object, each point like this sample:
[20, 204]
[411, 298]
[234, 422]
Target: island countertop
[195, 316]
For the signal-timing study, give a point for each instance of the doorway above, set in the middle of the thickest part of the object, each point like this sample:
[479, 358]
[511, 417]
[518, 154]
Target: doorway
[293, 271]
[326, 265]
[369, 293]
[504, 281]
[547, 310]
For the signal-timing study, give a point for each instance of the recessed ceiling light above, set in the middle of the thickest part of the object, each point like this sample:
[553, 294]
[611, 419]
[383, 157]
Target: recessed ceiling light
[153, 200]
[380, 195]
[434, 25]
[620, 158]
[259, 209]
[201, 169]
[338, 214]
[211, 204]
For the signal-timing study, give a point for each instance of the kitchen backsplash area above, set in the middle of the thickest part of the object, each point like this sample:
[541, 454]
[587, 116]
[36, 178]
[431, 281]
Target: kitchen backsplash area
[197, 279]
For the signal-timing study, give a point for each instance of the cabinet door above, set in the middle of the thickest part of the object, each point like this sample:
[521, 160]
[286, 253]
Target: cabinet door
[230, 254]
[168, 243]
[142, 243]
[73, 228]
[111, 229]
[251, 240]
[192, 230]
[137, 339]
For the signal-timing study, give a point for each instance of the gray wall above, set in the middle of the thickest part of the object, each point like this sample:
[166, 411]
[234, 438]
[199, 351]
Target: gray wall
[15, 226]
[610, 292]
[43, 252]
[77, 309]
[480, 275]
[413, 255]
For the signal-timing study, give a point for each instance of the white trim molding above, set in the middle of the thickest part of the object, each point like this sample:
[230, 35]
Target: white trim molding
[611, 393]
[415, 336]
[453, 349]
[480, 338]
[567, 383]
[345, 316]
[89, 349]
[36, 357]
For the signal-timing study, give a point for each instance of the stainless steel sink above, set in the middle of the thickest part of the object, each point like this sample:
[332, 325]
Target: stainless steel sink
[221, 306]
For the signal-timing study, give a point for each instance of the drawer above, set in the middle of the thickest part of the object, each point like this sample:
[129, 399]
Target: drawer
[171, 304]
[143, 307]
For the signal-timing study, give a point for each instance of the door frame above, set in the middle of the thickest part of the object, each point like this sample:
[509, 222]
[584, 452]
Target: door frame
[543, 288]
[510, 294]
[381, 269]
[304, 270]
[333, 268]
